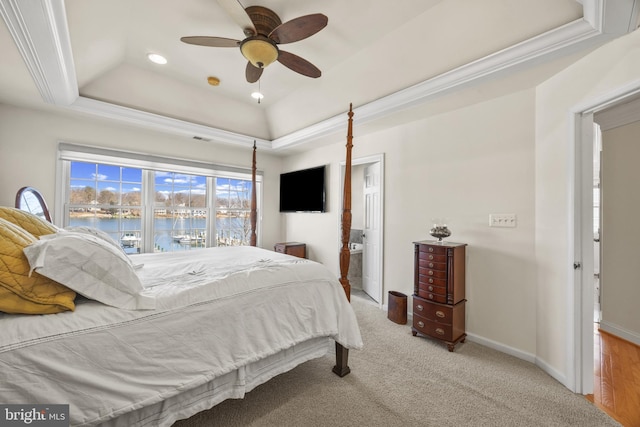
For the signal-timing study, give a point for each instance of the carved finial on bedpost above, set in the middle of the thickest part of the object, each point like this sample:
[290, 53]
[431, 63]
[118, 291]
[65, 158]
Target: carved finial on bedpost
[345, 255]
[254, 212]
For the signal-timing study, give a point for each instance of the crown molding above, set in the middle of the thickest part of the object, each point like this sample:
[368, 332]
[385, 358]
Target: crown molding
[545, 45]
[164, 124]
[39, 29]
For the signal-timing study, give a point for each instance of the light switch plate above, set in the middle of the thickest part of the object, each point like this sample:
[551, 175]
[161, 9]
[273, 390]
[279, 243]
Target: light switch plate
[502, 220]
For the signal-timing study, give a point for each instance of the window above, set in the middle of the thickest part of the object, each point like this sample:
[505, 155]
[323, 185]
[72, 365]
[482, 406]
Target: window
[154, 204]
[233, 211]
[180, 211]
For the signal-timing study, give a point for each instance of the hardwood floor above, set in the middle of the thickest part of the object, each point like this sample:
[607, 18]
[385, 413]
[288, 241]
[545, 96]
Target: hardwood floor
[616, 388]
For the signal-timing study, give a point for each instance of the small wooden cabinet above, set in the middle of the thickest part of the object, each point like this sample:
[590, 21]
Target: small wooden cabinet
[439, 291]
[292, 248]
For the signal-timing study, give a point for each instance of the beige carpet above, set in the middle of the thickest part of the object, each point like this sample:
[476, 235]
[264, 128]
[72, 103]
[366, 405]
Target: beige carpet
[401, 380]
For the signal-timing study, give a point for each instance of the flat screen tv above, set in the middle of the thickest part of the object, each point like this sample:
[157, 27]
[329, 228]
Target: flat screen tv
[303, 190]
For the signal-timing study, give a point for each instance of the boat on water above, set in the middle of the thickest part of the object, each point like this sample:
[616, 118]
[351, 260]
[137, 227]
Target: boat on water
[187, 239]
[130, 240]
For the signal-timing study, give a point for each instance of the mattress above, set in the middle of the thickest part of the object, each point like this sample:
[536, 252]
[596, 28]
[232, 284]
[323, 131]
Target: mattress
[226, 320]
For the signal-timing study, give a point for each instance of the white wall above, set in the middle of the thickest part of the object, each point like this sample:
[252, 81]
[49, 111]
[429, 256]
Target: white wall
[462, 165]
[28, 146]
[607, 69]
[620, 232]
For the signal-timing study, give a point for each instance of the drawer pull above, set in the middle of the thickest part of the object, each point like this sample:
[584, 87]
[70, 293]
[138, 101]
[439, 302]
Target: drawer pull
[430, 265]
[439, 313]
[421, 323]
[430, 280]
[430, 249]
[420, 307]
[430, 288]
[430, 296]
[430, 257]
[430, 272]
[439, 331]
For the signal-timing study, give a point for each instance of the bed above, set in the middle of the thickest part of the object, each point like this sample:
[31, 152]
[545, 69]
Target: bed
[165, 335]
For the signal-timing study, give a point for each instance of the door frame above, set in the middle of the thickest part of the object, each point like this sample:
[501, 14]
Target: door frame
[376, 158]
[580, 350]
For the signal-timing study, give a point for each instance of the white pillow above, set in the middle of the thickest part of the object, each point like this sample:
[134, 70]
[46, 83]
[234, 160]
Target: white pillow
[104, 236]
[98, 233]
[90, 266]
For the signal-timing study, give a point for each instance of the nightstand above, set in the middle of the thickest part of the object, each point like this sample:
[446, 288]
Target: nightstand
[292, 248]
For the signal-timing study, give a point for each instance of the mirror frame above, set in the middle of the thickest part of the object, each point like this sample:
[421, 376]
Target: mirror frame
[38, 196]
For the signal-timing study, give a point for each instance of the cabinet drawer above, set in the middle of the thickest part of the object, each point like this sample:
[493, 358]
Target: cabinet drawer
[424, 263]
[432, 296]
[429, 272]
[433, 249]
[433, 329]
[434, 312]
[432, 257]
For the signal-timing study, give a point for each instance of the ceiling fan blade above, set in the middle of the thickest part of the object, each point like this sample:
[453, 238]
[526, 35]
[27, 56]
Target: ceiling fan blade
[253, 73]
[211, 41]
[299, 65]
[299, 28]
[239, 16]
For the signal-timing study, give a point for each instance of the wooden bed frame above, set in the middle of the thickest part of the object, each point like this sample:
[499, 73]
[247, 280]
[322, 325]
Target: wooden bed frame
[342, 354]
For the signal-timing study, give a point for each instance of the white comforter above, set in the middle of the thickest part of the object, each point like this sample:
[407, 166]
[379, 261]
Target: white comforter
[216, 310]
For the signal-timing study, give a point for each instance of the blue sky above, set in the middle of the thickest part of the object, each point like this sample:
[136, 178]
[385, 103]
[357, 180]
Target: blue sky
[108, 178]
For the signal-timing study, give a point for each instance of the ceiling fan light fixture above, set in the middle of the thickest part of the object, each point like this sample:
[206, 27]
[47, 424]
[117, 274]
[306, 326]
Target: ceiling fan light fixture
[259, 50]
[257, 95]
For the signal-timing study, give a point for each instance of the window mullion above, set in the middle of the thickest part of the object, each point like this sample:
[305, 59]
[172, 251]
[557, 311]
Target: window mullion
[148, 201]
[211, 218]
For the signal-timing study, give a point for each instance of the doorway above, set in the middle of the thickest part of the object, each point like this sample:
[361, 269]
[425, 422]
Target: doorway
[586, 254]
[370, 206]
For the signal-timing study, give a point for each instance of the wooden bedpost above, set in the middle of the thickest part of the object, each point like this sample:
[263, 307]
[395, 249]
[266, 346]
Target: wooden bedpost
[342, 354]
[254, 211]
[345, 254]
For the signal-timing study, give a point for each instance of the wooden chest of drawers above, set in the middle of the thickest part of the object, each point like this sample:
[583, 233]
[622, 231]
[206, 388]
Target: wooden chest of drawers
[439, 291]
[292, 248]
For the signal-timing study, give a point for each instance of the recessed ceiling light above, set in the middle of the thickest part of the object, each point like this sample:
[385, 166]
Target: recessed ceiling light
[257, 95]
[157, 59]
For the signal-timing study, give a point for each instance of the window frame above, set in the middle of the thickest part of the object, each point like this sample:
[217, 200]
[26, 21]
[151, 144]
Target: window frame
[149, 163]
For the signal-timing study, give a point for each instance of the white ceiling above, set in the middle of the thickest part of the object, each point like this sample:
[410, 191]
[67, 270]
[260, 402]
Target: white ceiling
[387, 58]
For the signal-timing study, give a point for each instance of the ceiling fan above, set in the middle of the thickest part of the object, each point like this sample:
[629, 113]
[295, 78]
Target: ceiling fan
[264, 31]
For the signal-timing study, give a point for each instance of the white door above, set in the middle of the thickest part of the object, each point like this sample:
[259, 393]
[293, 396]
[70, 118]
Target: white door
[372, 230]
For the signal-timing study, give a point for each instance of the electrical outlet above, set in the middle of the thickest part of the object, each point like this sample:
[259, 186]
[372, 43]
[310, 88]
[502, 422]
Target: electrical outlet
[502, 220]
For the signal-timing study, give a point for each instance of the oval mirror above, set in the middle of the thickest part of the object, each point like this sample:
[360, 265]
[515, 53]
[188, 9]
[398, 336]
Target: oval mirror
[30, 200]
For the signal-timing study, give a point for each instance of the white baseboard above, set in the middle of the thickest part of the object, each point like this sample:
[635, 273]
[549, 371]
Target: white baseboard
[528, 357]
[502, 348]
[621, 332]
[558, 376]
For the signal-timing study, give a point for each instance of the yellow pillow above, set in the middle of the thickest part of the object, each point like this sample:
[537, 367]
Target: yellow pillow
[19, 292]
[31, 223]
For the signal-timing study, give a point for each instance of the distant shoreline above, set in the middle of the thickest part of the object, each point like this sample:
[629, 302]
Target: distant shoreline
[77, 215]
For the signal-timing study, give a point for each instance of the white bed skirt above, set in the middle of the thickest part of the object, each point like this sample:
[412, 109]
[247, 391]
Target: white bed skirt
[232, 385]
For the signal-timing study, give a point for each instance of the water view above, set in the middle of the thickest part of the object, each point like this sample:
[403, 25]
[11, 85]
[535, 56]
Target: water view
[170, 234]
